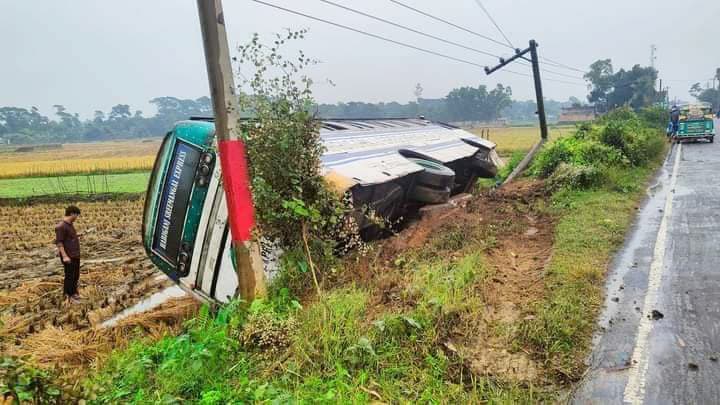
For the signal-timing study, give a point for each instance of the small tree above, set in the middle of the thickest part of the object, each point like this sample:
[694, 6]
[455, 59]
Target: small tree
[293, 202]
[709, 95]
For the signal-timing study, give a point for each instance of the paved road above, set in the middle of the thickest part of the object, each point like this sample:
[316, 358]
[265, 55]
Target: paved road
[670, 264]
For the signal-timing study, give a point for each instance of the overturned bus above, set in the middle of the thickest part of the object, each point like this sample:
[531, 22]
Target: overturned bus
[387, 165]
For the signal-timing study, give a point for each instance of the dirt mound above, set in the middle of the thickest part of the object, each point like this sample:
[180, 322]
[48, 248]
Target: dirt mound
[488, 208]
[513, 229]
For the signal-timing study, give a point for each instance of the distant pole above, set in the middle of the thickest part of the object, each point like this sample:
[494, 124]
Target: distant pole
[538, 90]
[235, 178]
[717, 77]
[653, 58]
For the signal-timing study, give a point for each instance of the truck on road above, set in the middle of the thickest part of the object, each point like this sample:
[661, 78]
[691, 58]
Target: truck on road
[695, 122]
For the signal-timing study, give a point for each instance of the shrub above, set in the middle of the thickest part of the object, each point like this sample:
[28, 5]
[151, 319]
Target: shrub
[549, 159]
[592, 152]
[575, 176]
[583, 130]
[644, 146]
[654, 117]
[633, 137]
[585, 158]
[614, 134]
[26, 384]
[284, 146]
[622, 114]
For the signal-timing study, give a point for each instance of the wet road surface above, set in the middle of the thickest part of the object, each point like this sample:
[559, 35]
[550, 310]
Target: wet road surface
[659, 339]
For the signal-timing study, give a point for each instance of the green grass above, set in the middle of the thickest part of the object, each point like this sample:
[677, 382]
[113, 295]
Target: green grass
[339, 350]
[591, 228]
[83, 184]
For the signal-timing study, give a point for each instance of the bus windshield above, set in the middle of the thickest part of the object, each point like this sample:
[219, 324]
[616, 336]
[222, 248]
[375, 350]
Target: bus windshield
[155, 176]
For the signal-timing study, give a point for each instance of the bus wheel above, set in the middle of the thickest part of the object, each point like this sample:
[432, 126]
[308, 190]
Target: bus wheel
[434, 174]
[430, 195]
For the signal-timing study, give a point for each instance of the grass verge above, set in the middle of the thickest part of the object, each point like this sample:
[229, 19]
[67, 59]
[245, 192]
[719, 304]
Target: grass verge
[339, 350]
[591, 228]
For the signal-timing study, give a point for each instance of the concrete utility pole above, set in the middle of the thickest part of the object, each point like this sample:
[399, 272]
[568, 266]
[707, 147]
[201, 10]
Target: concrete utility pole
[520, 54]
[540, 100]
[235, 178]
[538, 89]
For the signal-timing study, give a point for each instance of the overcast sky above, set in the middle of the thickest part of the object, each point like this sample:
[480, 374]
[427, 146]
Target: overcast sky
[89, 54]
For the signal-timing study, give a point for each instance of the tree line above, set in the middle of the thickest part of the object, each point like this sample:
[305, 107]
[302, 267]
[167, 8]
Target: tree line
[608, 89]
[710, 94]
[460, 104]
[21, 125]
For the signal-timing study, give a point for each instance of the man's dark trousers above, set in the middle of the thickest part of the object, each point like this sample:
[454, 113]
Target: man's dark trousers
[72, 276]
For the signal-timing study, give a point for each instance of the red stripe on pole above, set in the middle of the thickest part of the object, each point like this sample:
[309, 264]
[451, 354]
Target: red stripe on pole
[236, 181]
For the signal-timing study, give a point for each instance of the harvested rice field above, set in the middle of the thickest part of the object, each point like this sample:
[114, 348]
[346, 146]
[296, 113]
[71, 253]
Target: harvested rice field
[35, 322]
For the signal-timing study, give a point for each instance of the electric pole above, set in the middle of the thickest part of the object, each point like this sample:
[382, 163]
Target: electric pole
[520, 54]
[231, 148]
[717, 76]
[538, 89]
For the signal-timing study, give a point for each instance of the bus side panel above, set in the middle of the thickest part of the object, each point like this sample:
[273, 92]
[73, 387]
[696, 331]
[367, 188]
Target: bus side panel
[205, 229]
[226, 281]
[213, 251]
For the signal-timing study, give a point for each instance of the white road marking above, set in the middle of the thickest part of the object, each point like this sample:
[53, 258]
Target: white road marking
[635, 388]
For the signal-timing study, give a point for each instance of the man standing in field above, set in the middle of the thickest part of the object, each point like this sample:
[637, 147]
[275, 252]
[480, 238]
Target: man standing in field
[68, 245]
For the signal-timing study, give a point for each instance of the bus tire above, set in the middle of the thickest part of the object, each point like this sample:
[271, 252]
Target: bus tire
[484, 168]
[433, 174]
[430, 195]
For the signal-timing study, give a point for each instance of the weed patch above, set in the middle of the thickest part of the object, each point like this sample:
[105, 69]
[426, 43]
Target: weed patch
[592, 156]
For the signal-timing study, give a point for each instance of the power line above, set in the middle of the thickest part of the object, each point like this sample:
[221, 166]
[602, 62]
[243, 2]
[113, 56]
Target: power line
[565, 82]
[376, 36]
[408, 28]
[390, 40]
[549, 79]
[487, 13]
[376, 18]
[558, 64]
[426, 14]
[527, 64]
[561, 74]
[477, 34]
